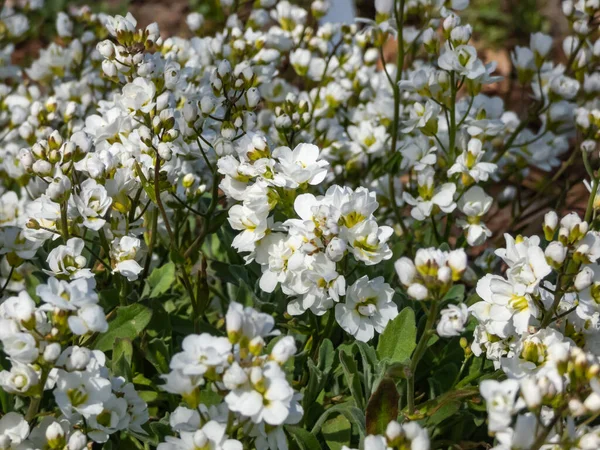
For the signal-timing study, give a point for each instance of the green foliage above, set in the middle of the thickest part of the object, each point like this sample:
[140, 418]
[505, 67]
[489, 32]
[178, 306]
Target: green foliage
[129, 323]
[399, 338]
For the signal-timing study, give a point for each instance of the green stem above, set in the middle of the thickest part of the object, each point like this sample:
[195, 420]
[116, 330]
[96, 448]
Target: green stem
[590, 206]
[161, 208]
[418, 354]
[153, 235]
[452, 137]
[34, 405]
[10, 274]
[64, 223]
[541, 439]
[396, 90]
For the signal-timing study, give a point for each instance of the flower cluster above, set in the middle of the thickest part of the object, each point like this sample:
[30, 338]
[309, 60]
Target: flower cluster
[251, 382]
[37, 341]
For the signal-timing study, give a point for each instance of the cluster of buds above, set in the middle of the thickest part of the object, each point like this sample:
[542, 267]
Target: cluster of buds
[292, 115]
[574, 239]
[432, 273]
[582, 370]
[48, 156]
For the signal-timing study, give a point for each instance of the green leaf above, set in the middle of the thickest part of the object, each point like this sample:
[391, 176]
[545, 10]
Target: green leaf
[304, 439]
[161, 279]
[157, 353]
[121, 358]
[147, 187]
[382, 407]
[352, 377]
[337, 432]
[316, 382]
[399, 338]
[326, 356]
[456, 294]
[354, 415]
[129, 322]
[370, 364]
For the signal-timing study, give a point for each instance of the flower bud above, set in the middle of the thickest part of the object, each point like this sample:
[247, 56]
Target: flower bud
[256, 345]
[224, 68]
[194, 21]
[106, 48]
[555, 254]
[190, 112]
[42, 168]
[52, 352]
[164, 151]
[550, 224]
[588, 146]
[77, 441]
[252, 97]
[55, 435]
[417, 291]
[283, 350]
[336, 249]
[109, 68]
[584, 278]
[207, 104]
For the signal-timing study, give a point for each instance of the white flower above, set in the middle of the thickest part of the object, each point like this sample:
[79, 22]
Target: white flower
[81, 392]
[301, 165]
[89, 318]
[64, 26]
[470, 165]
[264, 395]
[67, 260]
[500, 400]
[430, 197]
[368, 242]
[201, 353]
[253, 225]
[92, 203]
[526, 261]
[194, 21]
[20, 379]
[211, 436]
[409, 434]
[462, 60]
[123, 253]
[541, 44]
[523, 59]
[368, 308]
[504, 303]
[452, 321]
[13, 430]
[370, 137]
[21, 347]
[118, 25]
[475, 203]
[67, 295]
[138, 96]
[113, 418]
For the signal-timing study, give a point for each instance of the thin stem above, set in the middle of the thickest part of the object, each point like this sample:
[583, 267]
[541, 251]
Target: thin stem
[161, 208]
[418, 354]
[34, 405]
[590, 206]
[64, 223]
[541, 439]
[396, 90]
[153, 235]
[10, 274]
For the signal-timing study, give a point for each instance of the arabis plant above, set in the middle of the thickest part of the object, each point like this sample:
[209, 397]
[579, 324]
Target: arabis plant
[262, 234]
